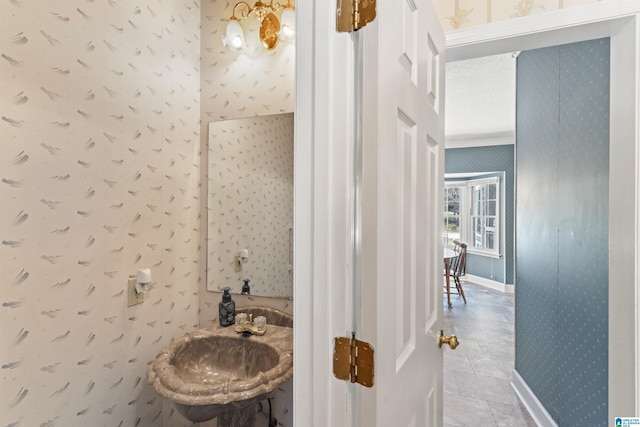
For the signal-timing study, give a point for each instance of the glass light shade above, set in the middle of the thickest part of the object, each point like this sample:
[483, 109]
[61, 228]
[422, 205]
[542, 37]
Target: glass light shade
[234, 39]
[288, 24]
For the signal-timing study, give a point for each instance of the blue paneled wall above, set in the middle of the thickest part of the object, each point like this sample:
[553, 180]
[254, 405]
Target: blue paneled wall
[489, 159]
[562, 166]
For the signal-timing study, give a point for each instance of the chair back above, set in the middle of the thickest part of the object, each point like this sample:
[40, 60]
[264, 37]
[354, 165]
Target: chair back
[459, 263]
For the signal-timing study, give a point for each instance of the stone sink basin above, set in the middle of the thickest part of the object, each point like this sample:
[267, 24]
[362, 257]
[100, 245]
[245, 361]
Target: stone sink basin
[216, 371]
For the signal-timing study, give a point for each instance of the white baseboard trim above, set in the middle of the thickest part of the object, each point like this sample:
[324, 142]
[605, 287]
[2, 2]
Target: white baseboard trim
[539, 414]
[506, 288]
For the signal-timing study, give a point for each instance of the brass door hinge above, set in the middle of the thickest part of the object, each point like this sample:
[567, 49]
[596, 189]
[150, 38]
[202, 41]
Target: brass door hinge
[353, 361]
[352, 15]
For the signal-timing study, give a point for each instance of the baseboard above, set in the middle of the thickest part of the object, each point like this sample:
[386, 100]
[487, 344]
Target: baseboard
[529, 400]
[488, 283]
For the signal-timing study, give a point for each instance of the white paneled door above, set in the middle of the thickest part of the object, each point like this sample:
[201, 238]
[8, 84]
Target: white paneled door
[402, 190]
[392, 72]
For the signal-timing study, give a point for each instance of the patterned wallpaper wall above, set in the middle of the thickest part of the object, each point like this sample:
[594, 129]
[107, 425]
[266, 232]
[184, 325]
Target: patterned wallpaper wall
[458, 14]
[251, 204]
[250, 83]
[254, 82]
[490, 159]
[562, 228]
[99, 134]
[100, 176]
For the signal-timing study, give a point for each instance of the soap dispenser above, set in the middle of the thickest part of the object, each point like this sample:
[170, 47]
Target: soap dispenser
[227, 309]
[246, 289]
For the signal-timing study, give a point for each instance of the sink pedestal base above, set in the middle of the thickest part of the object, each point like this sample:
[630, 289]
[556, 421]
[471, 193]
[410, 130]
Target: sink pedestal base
[230, 416]
[238, 418]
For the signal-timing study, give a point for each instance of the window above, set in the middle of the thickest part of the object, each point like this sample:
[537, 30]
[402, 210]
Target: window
[472, 214]
[451, 214]
[484, 215]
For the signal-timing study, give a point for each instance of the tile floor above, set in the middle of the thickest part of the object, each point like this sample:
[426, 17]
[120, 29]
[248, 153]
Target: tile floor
[477, 375]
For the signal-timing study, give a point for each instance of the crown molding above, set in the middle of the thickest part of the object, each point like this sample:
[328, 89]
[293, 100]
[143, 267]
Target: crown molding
[480, 139]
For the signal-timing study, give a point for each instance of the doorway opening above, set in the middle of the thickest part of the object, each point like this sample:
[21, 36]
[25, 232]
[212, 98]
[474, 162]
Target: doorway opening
[565, 28]
[621, 29]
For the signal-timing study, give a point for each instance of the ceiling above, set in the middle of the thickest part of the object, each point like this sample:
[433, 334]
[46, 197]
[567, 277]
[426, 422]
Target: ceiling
[480, 99]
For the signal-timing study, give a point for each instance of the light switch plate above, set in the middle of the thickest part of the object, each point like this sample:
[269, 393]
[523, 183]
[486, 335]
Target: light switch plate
[237, 263]
[134, 298]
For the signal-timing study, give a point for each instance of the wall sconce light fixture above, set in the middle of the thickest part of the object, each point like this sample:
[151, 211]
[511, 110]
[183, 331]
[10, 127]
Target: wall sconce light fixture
[272, 29]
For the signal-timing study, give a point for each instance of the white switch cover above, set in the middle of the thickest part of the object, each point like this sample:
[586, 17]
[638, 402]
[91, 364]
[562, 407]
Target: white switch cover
[134, 298]
[237, 263]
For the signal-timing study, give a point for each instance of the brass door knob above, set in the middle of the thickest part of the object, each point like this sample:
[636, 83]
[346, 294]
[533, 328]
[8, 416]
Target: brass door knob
[452, 341]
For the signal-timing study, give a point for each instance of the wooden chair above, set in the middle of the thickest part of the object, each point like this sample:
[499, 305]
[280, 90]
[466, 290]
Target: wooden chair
[459, 266]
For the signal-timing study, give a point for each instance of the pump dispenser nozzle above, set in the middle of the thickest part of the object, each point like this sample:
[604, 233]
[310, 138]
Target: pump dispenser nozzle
[246, 289]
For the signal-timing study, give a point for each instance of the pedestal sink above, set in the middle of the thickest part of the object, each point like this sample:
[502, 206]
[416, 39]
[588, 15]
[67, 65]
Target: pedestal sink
[217, 372]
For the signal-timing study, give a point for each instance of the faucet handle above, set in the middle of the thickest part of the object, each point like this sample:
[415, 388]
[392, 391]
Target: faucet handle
[261, 323]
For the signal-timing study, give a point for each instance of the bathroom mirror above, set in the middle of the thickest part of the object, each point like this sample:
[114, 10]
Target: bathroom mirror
[250, 205]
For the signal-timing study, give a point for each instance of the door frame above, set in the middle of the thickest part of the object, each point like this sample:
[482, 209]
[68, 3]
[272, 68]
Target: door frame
[321, 215]
[621, 22]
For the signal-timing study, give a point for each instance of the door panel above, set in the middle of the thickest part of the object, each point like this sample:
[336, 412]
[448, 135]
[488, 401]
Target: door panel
[433, 75]
[404, 133]
[405, 282]
[408, 60]
[428, 152]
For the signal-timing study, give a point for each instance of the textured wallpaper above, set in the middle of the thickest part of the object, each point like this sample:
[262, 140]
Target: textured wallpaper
[103, 106]
[490, 159]
[254, 82]
[99, 134]
[562, 226]
[457, 14]
[251, 204]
